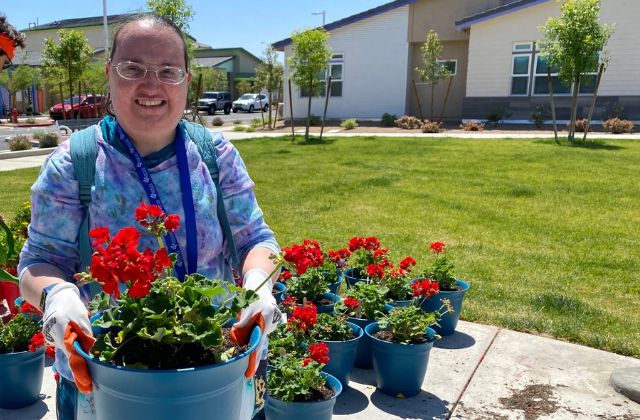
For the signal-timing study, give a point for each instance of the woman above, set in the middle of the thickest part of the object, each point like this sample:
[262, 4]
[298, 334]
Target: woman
[148, 80]
[10, 38]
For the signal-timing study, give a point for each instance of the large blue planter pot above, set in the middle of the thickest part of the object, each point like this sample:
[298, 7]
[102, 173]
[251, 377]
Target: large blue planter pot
[342, 354]
[205, 392]
[363, 352]
[399, 368]
[352, 276]
[401, 303]
[334, 287]
[328, 309]
[21, 378]
[278, 291]
[275, 409]
[449, 321]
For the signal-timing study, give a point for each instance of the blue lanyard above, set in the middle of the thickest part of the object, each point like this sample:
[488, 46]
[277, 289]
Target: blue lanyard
[154, 198]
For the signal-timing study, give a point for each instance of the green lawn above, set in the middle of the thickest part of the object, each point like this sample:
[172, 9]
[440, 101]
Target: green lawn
[547, 236]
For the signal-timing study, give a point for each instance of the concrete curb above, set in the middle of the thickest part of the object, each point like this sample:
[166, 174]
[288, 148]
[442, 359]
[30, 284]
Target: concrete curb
[26, 153]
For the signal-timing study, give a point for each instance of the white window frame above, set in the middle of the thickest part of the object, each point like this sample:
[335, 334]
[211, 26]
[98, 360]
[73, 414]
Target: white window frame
[452, 60]
[337, 59]
[529, 45]
[521, 76]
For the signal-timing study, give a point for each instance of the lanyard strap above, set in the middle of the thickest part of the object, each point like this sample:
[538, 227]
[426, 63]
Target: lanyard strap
[154, 198]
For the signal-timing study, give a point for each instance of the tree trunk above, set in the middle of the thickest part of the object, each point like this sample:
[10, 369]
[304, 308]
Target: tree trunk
[574, 109]
[415, 92]
[593, 101]
[326, 104]
[446, 97]
[64, 112]
[70, 88]
[306, 131]
[78, 115]
[552, 105]
[293, 134]
[261, 110]
[433, 95]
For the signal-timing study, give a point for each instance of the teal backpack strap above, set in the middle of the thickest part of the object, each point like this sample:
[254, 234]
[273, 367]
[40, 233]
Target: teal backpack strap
[84, 151]
[207, 147]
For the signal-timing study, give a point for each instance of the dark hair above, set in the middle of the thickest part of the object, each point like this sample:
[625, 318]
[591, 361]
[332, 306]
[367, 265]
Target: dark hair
[11, 32]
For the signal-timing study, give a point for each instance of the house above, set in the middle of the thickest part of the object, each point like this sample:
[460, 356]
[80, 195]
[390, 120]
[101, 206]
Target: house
[490, 45]
[239, 63]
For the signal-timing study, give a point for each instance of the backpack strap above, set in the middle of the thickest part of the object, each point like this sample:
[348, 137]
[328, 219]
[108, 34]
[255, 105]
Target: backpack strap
[206, 144]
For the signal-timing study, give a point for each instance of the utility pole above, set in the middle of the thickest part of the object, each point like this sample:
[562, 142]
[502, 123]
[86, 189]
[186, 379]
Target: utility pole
[106, 29]
[320, 13]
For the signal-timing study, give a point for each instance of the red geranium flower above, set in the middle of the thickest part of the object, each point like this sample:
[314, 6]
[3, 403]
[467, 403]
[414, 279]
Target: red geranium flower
[304, 316]
[37, 341]
[424, 288]
[319, 352]
[50, 351]
[27, 308]
[284, 276]
[437, 247]
[407, 263]
[375, 270]
[172, 222]
[304, 256]
[351, 303]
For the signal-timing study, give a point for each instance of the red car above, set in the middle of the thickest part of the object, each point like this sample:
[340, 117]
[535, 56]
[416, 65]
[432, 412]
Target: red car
[84, 106]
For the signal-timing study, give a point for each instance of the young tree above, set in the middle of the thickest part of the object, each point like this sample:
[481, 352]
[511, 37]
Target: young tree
[433, 71]
[573, 43]
[19, 79]
[178, 11]
[68, 58]
[242, 87]
[269, 75]
[94, 79]
[311, 54]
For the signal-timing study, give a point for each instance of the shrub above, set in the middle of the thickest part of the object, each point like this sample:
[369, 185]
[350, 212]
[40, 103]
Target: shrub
[618, 126]
[497, 114]
[250, 129]
[217, 122]
[472, 126]
[431, 126]
[408, 122]
[239, 128]
[581, 125]
[540, 115]
[388, 120]
[615, 110]
[19, 143]
[349, 124]
[46, 139]
[237, 122]
[255, 123]
[314, 120]
[31, 120]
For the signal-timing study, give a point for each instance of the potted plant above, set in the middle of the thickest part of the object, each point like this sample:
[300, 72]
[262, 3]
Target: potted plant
[396, 279]
[401, 342]
[339, 259]
[164, 342]
[15, 234]
[365, 252]
[342, 338]
[22, 354]
[450, 288]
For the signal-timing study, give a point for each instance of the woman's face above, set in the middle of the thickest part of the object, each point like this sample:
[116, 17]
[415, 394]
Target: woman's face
[148, 109]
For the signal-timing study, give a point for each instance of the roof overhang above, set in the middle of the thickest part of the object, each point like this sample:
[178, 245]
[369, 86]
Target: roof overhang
[506, 9]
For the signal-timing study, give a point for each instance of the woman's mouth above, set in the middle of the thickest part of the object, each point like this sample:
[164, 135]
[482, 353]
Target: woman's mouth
[150, 102]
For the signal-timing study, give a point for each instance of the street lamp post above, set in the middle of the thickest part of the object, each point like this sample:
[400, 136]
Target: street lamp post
[320, 13]
[106, 29]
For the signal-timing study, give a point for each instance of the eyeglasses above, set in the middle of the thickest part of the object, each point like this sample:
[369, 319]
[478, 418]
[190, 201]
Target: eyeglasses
[135, 71]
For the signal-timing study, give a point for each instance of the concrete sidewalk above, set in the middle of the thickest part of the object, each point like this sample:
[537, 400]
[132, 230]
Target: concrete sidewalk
[480, 372]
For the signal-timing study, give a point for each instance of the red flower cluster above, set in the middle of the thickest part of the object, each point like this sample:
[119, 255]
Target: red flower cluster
[155, 221]
[11, 269]
[27, 308]
[437, 247]
[37, 341]
[304, 256]
[339, 256]
[319, 352]
[424, 288]
[370, 243]
[284, 276]
[50, 351]
[351, 303]
[304, 316]
[407, 263]
[289, 303]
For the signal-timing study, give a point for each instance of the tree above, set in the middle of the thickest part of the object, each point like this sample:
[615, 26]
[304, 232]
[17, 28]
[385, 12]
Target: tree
[69, 58]
[212, 79]
[269, 75]
[178, 11]
[308, 64]
[433, 71]
[94, 79]
[19, 79]
[243, 86]
[573, 44]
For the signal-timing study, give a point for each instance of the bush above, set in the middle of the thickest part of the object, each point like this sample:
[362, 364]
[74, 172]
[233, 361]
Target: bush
[46, 139]
[408, 122]
[349, 124]
[540, 115]
[581, 125]
[497, 114]
[250, 129]
[472, 126]
[217, 122]
[239, 128]
[19, 143]
[314, 120]
[618, 126]
[388, 120]
[431, 126]
[255, 123]
[237, 122]
[31, 120]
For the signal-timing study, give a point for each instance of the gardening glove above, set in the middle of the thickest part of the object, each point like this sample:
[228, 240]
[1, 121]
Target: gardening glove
[63, 304]
[77, 363]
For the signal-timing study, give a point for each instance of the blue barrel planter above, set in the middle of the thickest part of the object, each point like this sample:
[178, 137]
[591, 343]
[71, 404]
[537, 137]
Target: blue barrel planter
[278, 291]
[449, 321]
[399, 368]
[328, 309]
[21, 376]
[342, 354]
[317, 410]
[192, 393]
[352, 276]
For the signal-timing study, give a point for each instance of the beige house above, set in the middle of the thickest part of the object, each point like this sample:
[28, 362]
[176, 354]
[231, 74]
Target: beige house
[491, 46]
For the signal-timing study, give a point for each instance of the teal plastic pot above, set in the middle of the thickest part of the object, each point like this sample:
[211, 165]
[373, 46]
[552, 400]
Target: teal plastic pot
[399, 368]
[275, 409]
[328, 309]
[21, 378]
[401, 303]
[342, 354]
[278, 291]
[334, 287]
[352, 276]
[449, 321]
[192, 393]
[363, 358]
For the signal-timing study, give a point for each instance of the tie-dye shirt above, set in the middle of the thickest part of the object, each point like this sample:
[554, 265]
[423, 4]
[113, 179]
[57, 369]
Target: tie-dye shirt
[57, 212]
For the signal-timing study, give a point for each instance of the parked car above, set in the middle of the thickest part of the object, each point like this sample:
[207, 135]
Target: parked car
[84, 106]
[215, 101]
[250, 102]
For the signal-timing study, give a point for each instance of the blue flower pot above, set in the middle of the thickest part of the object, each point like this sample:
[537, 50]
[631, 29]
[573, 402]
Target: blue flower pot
[21, 378]
[278, 291]
[401, 303]
[449, 321]
[318, 410]
[192, 393]
[363, 352]
[328, 309]
[399, 368]
[334, 287]
[352, 276]
[342, 354]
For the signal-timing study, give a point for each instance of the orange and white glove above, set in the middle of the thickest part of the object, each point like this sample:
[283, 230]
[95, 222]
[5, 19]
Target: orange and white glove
[266, 305]
[63, 305]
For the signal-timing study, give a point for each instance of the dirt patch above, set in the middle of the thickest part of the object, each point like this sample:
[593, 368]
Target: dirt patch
[534, 400]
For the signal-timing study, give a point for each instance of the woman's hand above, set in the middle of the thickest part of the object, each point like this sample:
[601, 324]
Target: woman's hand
[63, 305]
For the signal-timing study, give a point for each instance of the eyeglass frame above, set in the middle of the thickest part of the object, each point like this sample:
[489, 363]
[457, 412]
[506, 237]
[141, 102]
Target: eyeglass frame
[147, 70]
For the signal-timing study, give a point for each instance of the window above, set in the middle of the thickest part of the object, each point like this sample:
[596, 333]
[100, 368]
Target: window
[541, 85]
[335, 70]
[451, 65]
[520, 74]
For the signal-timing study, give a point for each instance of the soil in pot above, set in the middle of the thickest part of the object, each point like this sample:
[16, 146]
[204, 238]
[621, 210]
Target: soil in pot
[316, 395]
[388, 336]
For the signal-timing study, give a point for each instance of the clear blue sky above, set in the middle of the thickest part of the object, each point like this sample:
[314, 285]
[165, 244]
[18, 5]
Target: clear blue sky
[227, 23]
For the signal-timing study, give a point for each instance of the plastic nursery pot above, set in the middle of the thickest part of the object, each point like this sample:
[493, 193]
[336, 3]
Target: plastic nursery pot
[328, 309]
[399, 369]
[352, 276]
[278, 291]
[191, 393]
[342, 355]
[316, 410]
[363, 358]
[21, 376]
[449, 321]
[334, 287]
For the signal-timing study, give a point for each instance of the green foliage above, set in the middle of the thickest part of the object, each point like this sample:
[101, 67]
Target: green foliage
[399, 287]
[178, 11]
[217, 122]
[408, 324]
[388, 120]
[311, 285]
[19, 142]
[13, 236]
[46, 139]
[408, 122]
[172, 314]
[310, 57]
[94, 78]
[540, 115]
[314, 120]
[16, 335]
[242, 87]
[349, 124]
[431, 126]
[238, 127]
[372, 298]
[496, 114]
[289, 380]
[212, 79]
[442, 272]
[22, 77]
[330, 327]
[432, 71]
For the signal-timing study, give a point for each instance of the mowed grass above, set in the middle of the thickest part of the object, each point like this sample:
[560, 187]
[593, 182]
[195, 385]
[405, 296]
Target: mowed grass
[547, 236]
